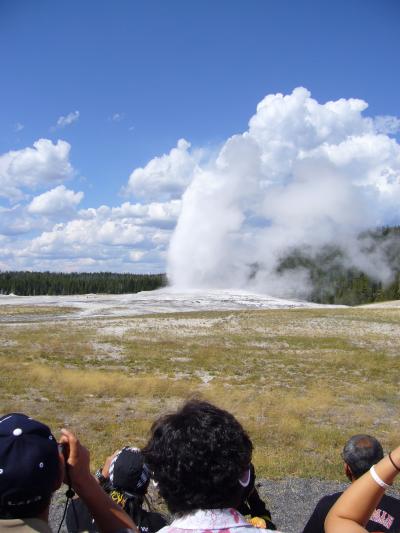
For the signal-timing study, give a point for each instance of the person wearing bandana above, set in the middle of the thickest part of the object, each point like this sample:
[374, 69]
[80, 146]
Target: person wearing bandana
[125, 478]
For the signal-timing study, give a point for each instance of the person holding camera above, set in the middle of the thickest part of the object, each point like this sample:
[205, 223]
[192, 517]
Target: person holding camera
[33, 466]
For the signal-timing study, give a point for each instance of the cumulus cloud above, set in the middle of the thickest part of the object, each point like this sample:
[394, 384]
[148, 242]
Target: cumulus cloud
[164, 177]
[79, 233]
[117, 117]
[59, 200]
[153, 214]
[15, 221]
[39, 215]
[303, 175]
[387, 124]
[122, 238]
[69, 119]
[137, 255]
[43, 164]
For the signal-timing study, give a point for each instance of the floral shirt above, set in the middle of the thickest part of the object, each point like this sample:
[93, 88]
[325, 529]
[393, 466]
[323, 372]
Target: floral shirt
[211, 521]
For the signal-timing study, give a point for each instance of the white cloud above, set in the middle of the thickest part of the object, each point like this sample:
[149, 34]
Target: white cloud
[304, 175]
[117, 117]
[153, 214]
[27, 169]
[39, 215]
[18, 127]
[69, 119]
[387, 124]
[164, 177]
[81, 234]
[15, 221]
[130, 236]
[137, 255]
[59, 200]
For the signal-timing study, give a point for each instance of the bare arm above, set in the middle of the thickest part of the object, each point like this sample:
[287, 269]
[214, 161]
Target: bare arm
[353, 509]
[109, 516]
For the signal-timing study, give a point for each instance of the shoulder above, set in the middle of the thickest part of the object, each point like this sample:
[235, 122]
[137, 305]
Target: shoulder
[332, 497]
[389, 503]
[386, 498]
[328, 500]
[316, 521]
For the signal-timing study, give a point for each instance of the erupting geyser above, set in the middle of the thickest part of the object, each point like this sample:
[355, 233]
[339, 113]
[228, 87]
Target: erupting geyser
[303, 176]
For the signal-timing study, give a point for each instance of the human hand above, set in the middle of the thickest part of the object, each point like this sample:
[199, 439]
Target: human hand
[76, 458]
[259, 522]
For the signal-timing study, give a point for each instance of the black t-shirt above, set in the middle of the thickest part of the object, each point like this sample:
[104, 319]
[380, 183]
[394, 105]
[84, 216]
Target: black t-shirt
[79, 519]
[386, 516]
[253, 505]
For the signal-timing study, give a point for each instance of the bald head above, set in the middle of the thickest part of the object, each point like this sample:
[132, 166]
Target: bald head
[361, 452]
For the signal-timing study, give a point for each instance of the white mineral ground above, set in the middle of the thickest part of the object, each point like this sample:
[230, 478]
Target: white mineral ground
[167, 300]
[160, 301]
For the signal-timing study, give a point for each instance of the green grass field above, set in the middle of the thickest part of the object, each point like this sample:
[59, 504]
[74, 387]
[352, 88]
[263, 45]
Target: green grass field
[301, 381]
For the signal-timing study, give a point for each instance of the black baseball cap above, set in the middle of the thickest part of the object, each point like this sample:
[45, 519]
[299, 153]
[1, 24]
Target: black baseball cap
[128, 471]
[29, 466]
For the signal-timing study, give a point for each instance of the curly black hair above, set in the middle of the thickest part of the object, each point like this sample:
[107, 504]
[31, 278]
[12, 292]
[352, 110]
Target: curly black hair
[197, 456]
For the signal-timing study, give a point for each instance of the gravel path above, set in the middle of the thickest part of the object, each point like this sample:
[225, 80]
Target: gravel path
[290, 501]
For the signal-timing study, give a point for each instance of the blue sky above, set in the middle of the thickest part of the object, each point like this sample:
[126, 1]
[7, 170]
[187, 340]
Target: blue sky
[135, 76]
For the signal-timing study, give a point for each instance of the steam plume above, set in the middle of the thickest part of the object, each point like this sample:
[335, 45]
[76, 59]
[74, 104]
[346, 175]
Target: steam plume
[303, 176]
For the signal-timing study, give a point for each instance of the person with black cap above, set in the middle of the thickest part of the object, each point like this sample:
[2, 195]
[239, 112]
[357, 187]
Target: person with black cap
[33, 465]
[125, 477]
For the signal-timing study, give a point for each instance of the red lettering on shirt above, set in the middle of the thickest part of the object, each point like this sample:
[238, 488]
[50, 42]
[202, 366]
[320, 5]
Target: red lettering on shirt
[383, 518]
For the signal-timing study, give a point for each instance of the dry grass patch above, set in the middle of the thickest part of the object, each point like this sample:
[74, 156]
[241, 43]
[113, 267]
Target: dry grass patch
[301, 380]
[30, 311]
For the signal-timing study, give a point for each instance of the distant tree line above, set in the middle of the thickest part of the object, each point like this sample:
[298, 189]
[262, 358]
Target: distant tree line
[334, 283]
[58, 283]
[331, 281]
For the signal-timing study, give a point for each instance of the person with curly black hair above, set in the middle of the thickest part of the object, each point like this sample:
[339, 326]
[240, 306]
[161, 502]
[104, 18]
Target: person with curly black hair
[200, 457]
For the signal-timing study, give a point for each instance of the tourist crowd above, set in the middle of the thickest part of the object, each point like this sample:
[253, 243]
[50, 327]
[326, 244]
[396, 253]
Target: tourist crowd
[200, 460]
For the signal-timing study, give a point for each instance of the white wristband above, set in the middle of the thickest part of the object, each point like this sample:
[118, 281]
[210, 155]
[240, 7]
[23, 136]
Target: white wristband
[377, 479]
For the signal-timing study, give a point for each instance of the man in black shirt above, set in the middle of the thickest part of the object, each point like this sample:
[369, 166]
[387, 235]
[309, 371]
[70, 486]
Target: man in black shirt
[359, 454]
